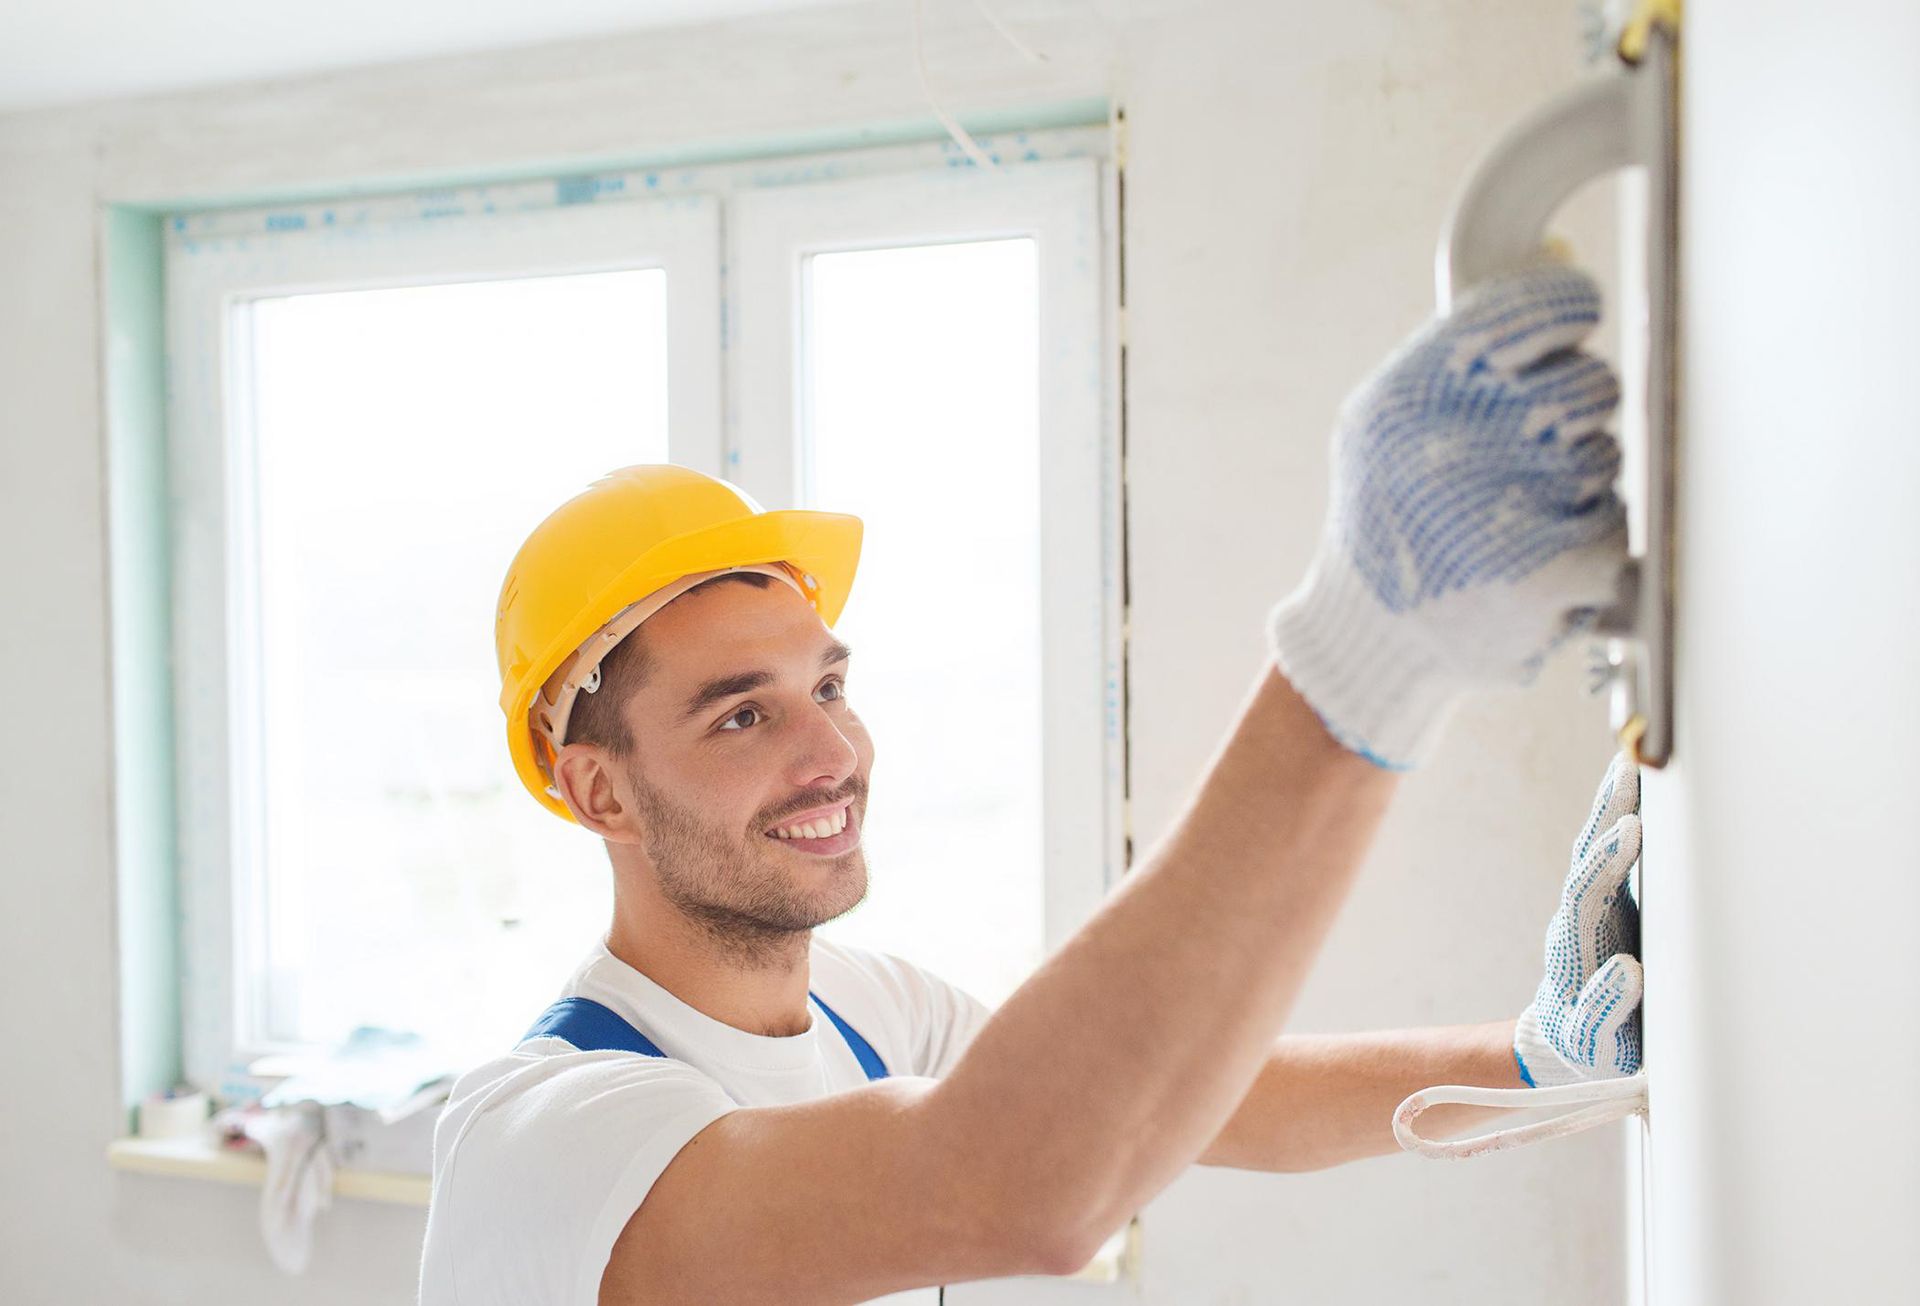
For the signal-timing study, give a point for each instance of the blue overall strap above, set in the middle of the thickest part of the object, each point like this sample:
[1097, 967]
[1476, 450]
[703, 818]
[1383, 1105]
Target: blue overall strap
[590, 1027]
[862, 1050]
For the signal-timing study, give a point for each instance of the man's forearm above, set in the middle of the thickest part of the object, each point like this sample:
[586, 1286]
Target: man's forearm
[1105, 1075]
[1323, 1099]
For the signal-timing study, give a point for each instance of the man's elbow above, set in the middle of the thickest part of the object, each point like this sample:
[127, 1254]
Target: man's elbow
[1010, 1219]
[1005, 1234]
[1034, 1249]
[1055, 1230]
[1068, 1253]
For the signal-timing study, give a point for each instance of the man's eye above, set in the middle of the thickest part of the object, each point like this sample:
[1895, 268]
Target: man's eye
[839, 691]
[735, 723]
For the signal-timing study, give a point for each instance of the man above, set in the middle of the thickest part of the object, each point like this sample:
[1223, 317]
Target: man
[723, 1109]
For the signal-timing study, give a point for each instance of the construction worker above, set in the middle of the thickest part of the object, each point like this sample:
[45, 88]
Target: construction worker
[721, 1107]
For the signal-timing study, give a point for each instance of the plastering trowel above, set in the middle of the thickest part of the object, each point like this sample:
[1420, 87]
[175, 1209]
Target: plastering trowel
[1626, 118]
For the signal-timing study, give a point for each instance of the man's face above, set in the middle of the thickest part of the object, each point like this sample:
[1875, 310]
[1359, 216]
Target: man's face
[747, 757]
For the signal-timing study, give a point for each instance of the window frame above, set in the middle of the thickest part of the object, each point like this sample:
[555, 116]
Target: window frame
[771, 235]
[686, 220]
[212, 277]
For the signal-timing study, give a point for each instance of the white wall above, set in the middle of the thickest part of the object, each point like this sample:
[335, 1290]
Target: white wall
[1289, 166]
[1782, 882]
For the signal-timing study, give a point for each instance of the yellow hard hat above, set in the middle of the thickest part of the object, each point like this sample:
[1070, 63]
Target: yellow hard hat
[630, 534]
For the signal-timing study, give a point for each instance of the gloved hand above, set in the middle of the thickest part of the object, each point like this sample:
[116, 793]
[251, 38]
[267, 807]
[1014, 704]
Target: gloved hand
[1473, 525]
[1585, 1019]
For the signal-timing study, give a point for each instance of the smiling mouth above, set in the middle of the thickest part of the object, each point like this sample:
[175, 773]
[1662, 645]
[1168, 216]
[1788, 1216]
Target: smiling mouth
[824, 830]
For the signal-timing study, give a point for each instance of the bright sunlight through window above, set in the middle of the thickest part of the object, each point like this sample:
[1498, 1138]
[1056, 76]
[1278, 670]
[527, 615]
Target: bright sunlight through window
[407, 439]
[921, 417]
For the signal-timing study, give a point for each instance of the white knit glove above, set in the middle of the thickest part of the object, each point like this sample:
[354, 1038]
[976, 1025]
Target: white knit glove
[1585, 1019]
[1473, 525]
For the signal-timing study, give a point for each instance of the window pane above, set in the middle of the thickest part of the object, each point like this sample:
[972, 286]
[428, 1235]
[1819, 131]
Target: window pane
[407, 439]
[922, 397]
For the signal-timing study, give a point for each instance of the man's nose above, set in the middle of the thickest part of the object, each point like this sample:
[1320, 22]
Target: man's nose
[824, 752]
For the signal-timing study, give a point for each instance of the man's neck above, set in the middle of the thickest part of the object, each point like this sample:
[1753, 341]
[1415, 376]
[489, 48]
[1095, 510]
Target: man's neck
[758, 985]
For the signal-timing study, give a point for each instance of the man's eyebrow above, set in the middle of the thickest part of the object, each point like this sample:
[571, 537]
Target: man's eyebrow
[725, 687]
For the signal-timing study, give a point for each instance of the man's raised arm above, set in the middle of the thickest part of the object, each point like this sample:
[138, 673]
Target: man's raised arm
[1472, 527]
[1324, 1099]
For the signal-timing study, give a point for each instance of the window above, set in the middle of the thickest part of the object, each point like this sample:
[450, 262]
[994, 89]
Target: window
[392, 432]
[928, 352]
[946, 612]
[372, 403]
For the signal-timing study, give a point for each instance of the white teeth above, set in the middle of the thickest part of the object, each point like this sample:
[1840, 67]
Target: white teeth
[820, 829]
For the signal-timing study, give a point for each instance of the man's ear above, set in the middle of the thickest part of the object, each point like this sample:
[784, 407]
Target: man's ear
[589, 786]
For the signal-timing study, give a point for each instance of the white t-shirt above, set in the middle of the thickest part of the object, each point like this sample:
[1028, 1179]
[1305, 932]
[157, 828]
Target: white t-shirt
[542, 1154]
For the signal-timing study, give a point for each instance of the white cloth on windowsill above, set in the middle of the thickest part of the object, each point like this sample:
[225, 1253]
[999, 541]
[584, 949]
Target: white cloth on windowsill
[299, 1179]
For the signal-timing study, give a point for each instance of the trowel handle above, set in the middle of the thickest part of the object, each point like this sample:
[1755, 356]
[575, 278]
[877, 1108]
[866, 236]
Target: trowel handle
[1499, 219]
[1499, 222]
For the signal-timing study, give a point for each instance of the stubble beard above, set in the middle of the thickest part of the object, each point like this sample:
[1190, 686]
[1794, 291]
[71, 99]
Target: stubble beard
[738, 894]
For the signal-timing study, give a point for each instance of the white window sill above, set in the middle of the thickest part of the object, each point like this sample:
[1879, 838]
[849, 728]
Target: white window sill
[1117, 1260]
[194, 1158]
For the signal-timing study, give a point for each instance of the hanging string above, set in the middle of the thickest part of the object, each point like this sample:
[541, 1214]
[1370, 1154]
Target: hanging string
[960, 134]
[1032, 55]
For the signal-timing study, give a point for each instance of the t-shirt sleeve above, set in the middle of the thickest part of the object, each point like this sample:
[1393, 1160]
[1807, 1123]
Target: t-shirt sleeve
[927, 1020]
[954, 1016]
[537, 1177]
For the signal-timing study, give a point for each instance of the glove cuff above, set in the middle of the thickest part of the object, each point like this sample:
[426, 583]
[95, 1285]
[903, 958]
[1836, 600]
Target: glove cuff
[1376, 684]
[1540, 1066]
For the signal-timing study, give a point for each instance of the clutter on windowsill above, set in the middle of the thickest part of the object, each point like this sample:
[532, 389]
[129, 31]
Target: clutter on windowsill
[199, 1158]
[357, 1122]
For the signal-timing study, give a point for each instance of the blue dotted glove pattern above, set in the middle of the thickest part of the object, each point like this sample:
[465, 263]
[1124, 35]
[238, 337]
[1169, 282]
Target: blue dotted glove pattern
[1587, 1008]
[1475, 454]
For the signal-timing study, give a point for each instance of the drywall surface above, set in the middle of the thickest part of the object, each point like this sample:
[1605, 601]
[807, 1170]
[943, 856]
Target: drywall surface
[1289, 166]
[1780, 870]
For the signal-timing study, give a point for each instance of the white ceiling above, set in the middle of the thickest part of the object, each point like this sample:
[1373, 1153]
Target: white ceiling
[63, 51]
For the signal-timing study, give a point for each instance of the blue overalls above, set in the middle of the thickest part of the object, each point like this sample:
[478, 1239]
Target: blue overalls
[593, 1027]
